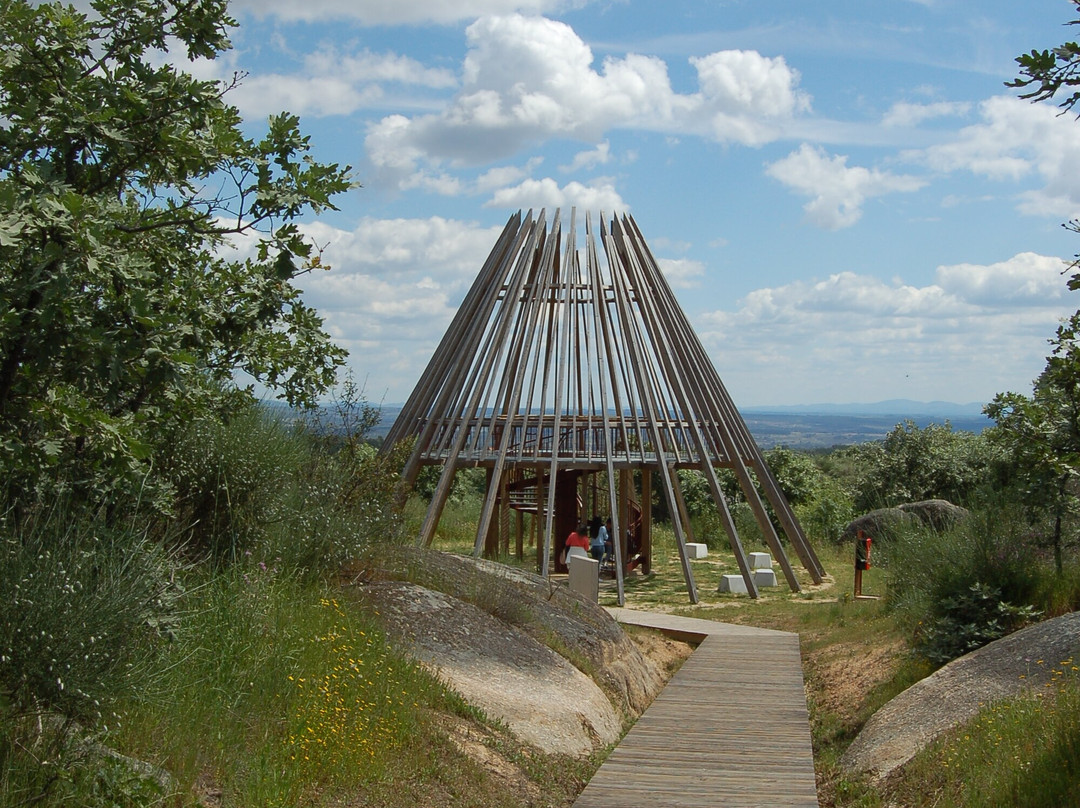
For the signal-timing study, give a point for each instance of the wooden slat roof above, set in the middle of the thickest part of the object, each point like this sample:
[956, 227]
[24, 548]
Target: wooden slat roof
[572, 352]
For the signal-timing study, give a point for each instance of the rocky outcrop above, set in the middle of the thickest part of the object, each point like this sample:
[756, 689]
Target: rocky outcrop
[538, 694]
[936, 513]
[515, 644]
[954, 694]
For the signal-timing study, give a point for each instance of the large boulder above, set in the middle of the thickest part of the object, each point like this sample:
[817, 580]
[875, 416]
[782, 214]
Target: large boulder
[1023, 661]
[515, 620]
[538, 694]
[938, 514]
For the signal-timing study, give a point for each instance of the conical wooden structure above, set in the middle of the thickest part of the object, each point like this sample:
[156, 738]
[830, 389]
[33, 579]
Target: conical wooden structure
[561, 364]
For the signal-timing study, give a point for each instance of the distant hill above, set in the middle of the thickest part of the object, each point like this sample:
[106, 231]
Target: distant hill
[816, 426]
[820, 426]
[901, 407]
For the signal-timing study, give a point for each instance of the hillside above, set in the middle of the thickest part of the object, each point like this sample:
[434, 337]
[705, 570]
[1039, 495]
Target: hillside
[820, 426]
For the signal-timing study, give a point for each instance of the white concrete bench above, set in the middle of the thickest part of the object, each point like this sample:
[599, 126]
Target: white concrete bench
[764, 577]
[734, 584]
[760, 561]
[696, 550]
[585, 576]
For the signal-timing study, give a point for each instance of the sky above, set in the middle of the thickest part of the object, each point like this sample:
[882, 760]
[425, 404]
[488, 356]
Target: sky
[848, 201]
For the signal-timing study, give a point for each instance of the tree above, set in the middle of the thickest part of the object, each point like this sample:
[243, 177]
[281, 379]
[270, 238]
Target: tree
[122, 180]
[914, 464]
[1042, 434]
[1043, 74]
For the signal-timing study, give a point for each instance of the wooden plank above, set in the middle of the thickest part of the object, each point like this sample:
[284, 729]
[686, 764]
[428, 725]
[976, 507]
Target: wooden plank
[730, 729]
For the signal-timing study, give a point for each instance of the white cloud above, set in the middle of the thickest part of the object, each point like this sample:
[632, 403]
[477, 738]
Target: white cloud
[601, 155]
[366, 66]
[269, 94]
[529, 79]
[547, 193]
[978, 330]
[331, 82]
[906, 114]
[393, 289]
[398, 12]
[1015, 140]
[744, 95]
[502, 176]
[1027, 279]
[837, 190]
[682, 273]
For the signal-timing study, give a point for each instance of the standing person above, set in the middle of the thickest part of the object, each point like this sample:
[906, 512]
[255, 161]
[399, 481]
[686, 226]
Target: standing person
[862, 558]
[598, 544]
[577, 538]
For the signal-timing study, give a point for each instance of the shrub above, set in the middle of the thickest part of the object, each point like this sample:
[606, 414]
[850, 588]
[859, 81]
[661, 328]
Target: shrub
[231, 479]
[78, 604]
[968, 621]
[963, 587]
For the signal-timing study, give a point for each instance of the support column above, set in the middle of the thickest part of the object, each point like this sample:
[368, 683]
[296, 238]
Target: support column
[538, 522]
[491, 538]
[566, 512]
[646, 519]
[626, 483]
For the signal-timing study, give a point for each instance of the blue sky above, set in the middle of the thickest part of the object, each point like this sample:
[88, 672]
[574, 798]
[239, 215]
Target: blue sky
[850, 204]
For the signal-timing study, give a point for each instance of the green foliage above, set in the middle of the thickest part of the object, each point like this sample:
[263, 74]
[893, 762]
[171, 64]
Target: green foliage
[229, 481]
[914, 464]
[121, 181]
[1040, 436]
[828, 512]
[1022, 752]
[822, 505]
[961, 588]
[1045, 72]
[281, 691]
[969, 620]
[79, 603]
[305, 499]
[796, 474]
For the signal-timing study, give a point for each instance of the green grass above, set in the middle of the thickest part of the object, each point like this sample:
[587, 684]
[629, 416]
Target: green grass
[277, 691]
[1022, 752]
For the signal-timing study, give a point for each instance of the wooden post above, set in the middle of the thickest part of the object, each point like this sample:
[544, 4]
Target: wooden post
[491, 538]
[646, 519]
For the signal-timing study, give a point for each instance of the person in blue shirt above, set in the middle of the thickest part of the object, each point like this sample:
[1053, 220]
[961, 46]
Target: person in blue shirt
[598, 544]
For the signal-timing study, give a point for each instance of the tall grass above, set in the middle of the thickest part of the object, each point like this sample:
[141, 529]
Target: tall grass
[278, 688]
[294, 495]
[960, 588]
[1022, 752]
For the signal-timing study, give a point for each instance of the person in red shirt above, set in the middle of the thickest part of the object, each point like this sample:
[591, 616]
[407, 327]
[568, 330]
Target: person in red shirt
[578, 538]
[862, 559]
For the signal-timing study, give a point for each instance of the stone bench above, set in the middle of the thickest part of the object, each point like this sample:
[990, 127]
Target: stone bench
[585, 576]
[760, 561]
[764, 577]
[734, 584]
[696, 550]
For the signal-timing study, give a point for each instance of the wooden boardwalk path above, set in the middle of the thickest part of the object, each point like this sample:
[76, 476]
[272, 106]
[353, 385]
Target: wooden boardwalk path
[730, 729]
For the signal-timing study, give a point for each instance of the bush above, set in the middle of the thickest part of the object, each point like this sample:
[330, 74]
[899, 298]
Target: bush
[306, 497]
[914, 464]
[968, 621]
[963, 587]
[79, 602]
[230, 480]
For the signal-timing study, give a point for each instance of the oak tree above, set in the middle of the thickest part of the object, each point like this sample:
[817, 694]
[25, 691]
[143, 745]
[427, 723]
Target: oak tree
[123, 178]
